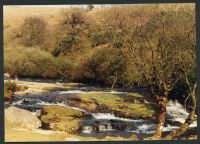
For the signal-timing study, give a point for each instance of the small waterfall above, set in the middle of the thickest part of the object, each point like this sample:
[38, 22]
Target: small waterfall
[176, 110]
[177, 113]
[170, 128]
[109, 123]
[147, 128]
[104, 122]
[109, 116]
[87, 129]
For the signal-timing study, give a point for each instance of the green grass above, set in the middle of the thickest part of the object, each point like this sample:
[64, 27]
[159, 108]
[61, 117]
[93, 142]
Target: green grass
[116, 102]
[135, 95]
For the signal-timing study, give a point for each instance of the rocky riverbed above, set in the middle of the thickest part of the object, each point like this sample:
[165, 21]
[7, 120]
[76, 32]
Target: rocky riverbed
[87, 113]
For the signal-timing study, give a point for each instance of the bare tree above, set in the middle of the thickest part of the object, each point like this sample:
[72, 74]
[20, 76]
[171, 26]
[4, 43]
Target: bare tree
[162, 50]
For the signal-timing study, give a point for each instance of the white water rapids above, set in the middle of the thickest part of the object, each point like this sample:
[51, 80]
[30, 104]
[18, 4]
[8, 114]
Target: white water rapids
[175, 113]
[101, 123]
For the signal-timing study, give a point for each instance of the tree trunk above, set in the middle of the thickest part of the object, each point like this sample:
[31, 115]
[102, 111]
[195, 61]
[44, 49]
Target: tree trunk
[114, 82]
[161, 117]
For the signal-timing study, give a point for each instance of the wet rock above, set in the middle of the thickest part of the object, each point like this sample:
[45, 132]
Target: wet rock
[96, 127]
[87, 115]
[108, 126]
[171, 122]
[20, 118]
[113, 121]
[119, 126]
[26, 101]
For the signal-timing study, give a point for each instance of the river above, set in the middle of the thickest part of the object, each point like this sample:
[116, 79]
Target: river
[108, 123]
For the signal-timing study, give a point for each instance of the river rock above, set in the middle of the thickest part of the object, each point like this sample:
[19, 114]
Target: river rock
[21, 118]
[62, 118]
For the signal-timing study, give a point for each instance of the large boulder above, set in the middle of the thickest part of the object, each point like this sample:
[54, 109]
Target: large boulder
[20, 118]
[61, 118]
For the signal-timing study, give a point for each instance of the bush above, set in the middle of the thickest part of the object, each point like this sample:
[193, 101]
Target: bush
[31, 62]
[106, 65]
[10, 86]
[9, 89]
[33, 31]
[8, 94]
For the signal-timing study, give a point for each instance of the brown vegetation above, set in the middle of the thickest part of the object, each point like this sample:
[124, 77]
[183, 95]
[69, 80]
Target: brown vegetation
[113, 46]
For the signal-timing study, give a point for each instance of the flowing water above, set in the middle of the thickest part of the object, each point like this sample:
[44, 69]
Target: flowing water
[105, 124]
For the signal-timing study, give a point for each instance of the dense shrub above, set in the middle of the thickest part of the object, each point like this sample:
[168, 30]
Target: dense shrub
[31, 62]
[84, 45]
[105, 66]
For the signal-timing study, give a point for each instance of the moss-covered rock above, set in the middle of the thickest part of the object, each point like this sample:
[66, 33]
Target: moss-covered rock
[62, 118]
[61, 111]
